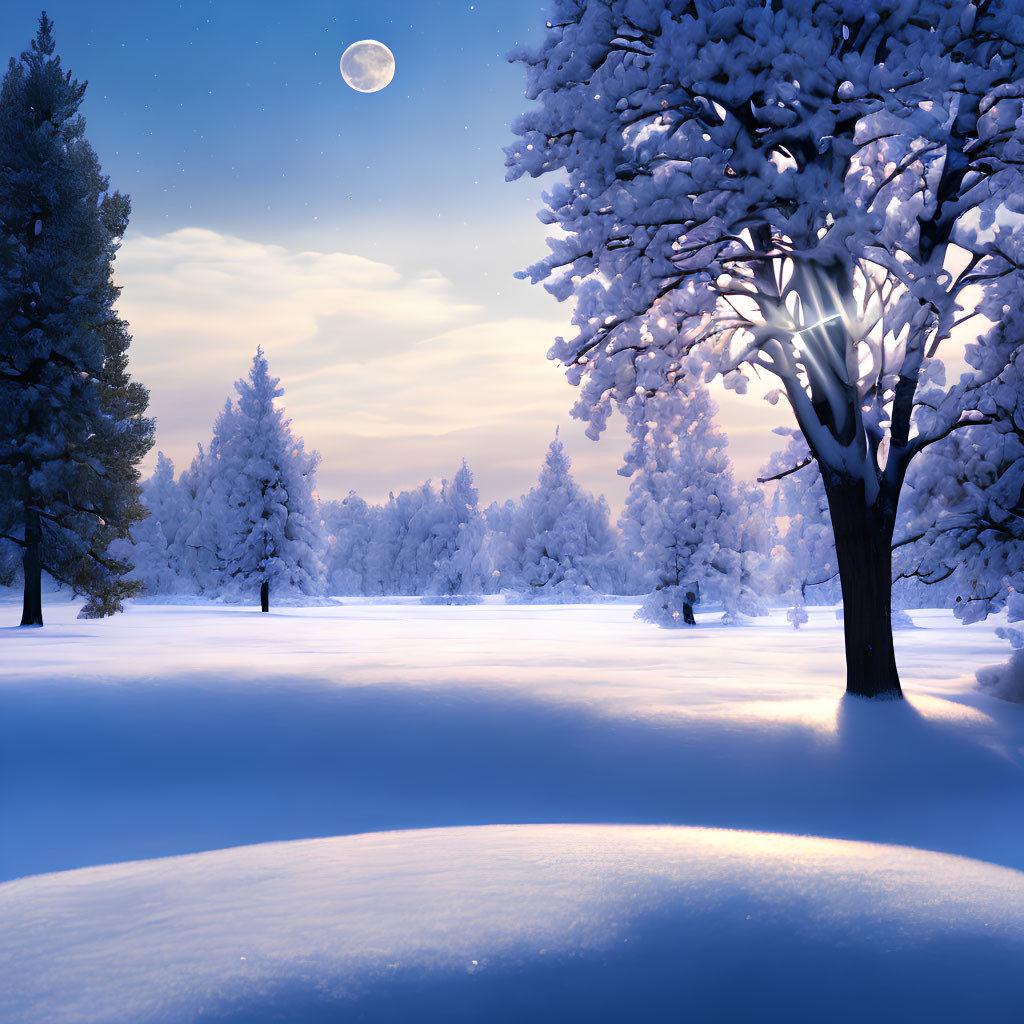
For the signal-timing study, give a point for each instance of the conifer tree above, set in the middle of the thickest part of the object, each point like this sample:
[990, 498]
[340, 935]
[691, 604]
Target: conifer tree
[805, 555]
[72, 423]
[154, 556]
[682, 516]
[350, 525]
[264, 486]
[459, 562]
[193, 546]
[564, 546]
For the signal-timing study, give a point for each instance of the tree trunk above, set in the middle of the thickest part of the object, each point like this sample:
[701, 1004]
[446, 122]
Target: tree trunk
[265, 596]
[32, 606]
[863, 537]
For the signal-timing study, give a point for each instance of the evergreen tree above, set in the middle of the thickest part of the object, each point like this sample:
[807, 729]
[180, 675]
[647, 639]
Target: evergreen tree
[385, 546]
[263, 486]
[460, 568]
[564, 546]
[153, 555]
[805, 555]
[72, 423]
[194, 544]
[350, 525]
[501, 554]
[682, 514]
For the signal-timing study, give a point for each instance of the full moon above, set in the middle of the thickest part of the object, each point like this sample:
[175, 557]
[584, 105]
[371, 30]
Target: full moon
[367, 66]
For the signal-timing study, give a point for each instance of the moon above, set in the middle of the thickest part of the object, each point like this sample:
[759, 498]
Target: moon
[368, 66]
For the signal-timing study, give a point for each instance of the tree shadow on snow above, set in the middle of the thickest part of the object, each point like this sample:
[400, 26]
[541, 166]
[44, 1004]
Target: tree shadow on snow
[95, 774]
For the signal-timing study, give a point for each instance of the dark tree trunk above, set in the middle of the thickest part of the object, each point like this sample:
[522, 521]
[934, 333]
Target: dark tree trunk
[265, 596]
[32, 607]
[863, 536]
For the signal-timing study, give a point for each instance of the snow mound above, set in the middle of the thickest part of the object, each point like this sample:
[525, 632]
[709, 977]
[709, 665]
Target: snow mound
[1005, 681]
[510, 923]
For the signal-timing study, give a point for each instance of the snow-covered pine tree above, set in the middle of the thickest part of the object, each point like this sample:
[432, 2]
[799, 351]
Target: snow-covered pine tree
[270, 531]
[810, 189]
[563, 543]
[350, 525]
[153, 554]
[194, 544]
[501, 555]
[682, 513]
[72, 423]
[457, 543]
[805, 554]
[386, 540]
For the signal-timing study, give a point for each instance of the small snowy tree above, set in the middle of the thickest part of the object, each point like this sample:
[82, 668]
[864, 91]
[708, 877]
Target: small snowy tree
[72, 423]
[264, 487]
[563, 543]
[809, 189]
[457, 542]
[386, 540]
[501, 554]
[805, 555]
[350, 525]
[682, 513]
[417, 514]
[194, 545]
[153, 553]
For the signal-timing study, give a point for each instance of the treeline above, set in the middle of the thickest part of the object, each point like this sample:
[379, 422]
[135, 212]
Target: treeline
[244, 521]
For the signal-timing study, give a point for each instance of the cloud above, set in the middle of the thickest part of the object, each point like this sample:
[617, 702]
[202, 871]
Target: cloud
[392, 377]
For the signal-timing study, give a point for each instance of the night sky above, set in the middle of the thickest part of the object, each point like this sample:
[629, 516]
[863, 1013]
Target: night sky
[367, 241]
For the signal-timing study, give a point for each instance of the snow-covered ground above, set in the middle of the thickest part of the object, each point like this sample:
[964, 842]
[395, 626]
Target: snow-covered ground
[178, 730]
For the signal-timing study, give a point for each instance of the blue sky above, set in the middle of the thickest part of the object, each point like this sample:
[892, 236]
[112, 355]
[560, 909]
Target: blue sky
[367, 241]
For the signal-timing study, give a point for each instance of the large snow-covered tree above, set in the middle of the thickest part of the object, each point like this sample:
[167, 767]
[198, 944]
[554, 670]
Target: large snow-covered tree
[263, 495]
[72, 423]
[682, 515]
[813, 190]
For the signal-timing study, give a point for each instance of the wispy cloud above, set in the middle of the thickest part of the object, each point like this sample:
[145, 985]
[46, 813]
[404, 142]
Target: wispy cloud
[392, 377]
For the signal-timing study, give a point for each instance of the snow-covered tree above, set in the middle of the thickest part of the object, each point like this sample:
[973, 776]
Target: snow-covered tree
[155, 559]
[501, 555]
[263, 495]
[966, 513]
[194, 545]
[350, 524]
[564, 548]
[805, 554]
[812, 190]
[460, 569]
[380, 574]
[415, 515]
[400, 557]
[682, 515]
[72, 423]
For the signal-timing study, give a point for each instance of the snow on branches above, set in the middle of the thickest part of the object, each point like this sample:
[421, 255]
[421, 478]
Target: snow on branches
[819, 191]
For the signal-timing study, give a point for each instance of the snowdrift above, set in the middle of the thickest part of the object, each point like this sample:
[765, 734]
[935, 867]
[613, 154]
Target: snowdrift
[514, 923]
